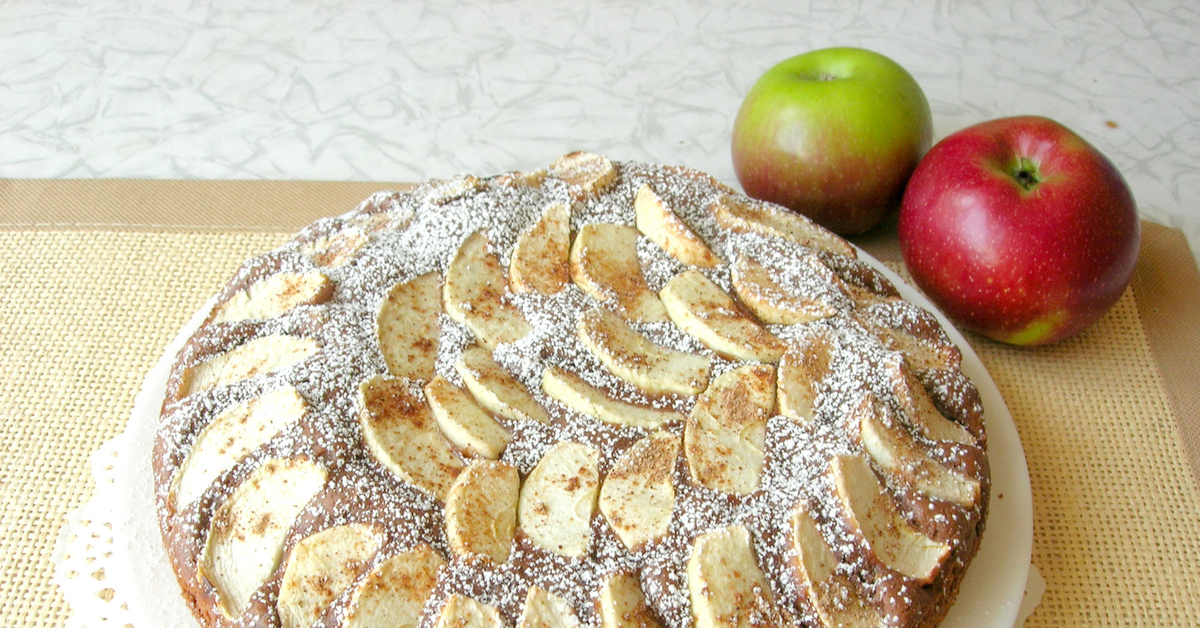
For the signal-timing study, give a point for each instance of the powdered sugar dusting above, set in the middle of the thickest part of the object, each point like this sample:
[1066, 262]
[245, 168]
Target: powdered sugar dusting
[394, 237]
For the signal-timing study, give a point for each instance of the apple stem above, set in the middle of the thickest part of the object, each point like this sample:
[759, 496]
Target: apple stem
[1027, 173]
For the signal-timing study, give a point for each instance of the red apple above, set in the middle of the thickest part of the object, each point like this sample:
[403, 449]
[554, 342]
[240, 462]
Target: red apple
[832, 134]
[1020, 230]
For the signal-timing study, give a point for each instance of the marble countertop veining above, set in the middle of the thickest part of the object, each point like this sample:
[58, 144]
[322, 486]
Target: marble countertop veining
[404, 90]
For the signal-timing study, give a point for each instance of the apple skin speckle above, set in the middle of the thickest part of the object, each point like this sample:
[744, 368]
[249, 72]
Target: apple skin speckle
[1020, 230]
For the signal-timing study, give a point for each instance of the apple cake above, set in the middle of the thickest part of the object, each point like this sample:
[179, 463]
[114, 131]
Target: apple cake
[595, 394]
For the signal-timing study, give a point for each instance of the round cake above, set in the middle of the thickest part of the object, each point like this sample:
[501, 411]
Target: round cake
[597, 394]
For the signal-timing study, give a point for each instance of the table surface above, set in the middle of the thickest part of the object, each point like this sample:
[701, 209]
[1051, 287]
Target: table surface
[380, 90]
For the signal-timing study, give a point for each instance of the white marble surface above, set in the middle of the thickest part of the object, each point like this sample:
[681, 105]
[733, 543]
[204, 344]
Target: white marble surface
[400, 90]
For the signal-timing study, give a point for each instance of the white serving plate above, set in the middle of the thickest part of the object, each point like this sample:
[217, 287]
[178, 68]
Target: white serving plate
[990, 596]
[992, 590]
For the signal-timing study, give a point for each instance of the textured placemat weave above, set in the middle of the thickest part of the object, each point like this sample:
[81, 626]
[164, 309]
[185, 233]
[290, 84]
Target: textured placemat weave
[83, 317]
[1116, 513]
[85, 314]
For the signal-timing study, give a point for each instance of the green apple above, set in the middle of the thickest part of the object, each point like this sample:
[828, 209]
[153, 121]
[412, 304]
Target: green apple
[833, 134]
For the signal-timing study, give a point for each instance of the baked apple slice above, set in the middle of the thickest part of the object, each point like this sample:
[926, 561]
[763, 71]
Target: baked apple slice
[780, 300]
[408, 326]
[749, 216]
[481, 510]
[495, 388]
[559, 498]
[706, 312]
[274, 295]
[623, 604]
[320, 568]
[260, 356]
[588, 174]
[605, 266]
[463, 422]
[904, 462]
[539, 259]
[871, 512]
[476, 295]
[726, 586]
[665, 228]
[801, 371]
[401, 433]
[638, 495]
[461, 611]
[724, 438]
[394, 593]
[835, 598]
[544, 609]
[918, 409]
[650, 367]
[246, 536]
[572, 391]
[232, 435]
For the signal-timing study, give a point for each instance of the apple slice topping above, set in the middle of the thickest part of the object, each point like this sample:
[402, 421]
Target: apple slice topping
[866, 286]
[725, 434]
[463, 422]
[245, 539]
[707, 313]
[870, 511]
[476, 295]
[904, 328]
[460, 611]
[271, 296]
[496, 389]
[922, 355]
[917, 407]
[442, 191]
[800, 294]
[832, 595]
[623, 604]
[408, 326]
[265, 354]
[320, 568]
[230, 436]
[539, 259]
[815, 560]
[801, 371]
[572, 391]
[394, 593]
[544, 609]
[653, 368]
[520, 179]
[481, 510]
[335, 249]
[638, 495]
[559, 498]
[588, 174]
[666, 229]
[749, 216]
[905, 463]
[401, 433]
[382, 210]
[605, 266]
[726, 586]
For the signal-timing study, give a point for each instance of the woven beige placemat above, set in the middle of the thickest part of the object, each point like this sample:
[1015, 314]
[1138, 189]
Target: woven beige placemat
[83, 317]
[87, 312]
[1116, 513]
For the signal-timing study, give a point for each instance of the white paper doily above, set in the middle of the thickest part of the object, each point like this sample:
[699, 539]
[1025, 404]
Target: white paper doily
[111, 567]
[117, 531]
